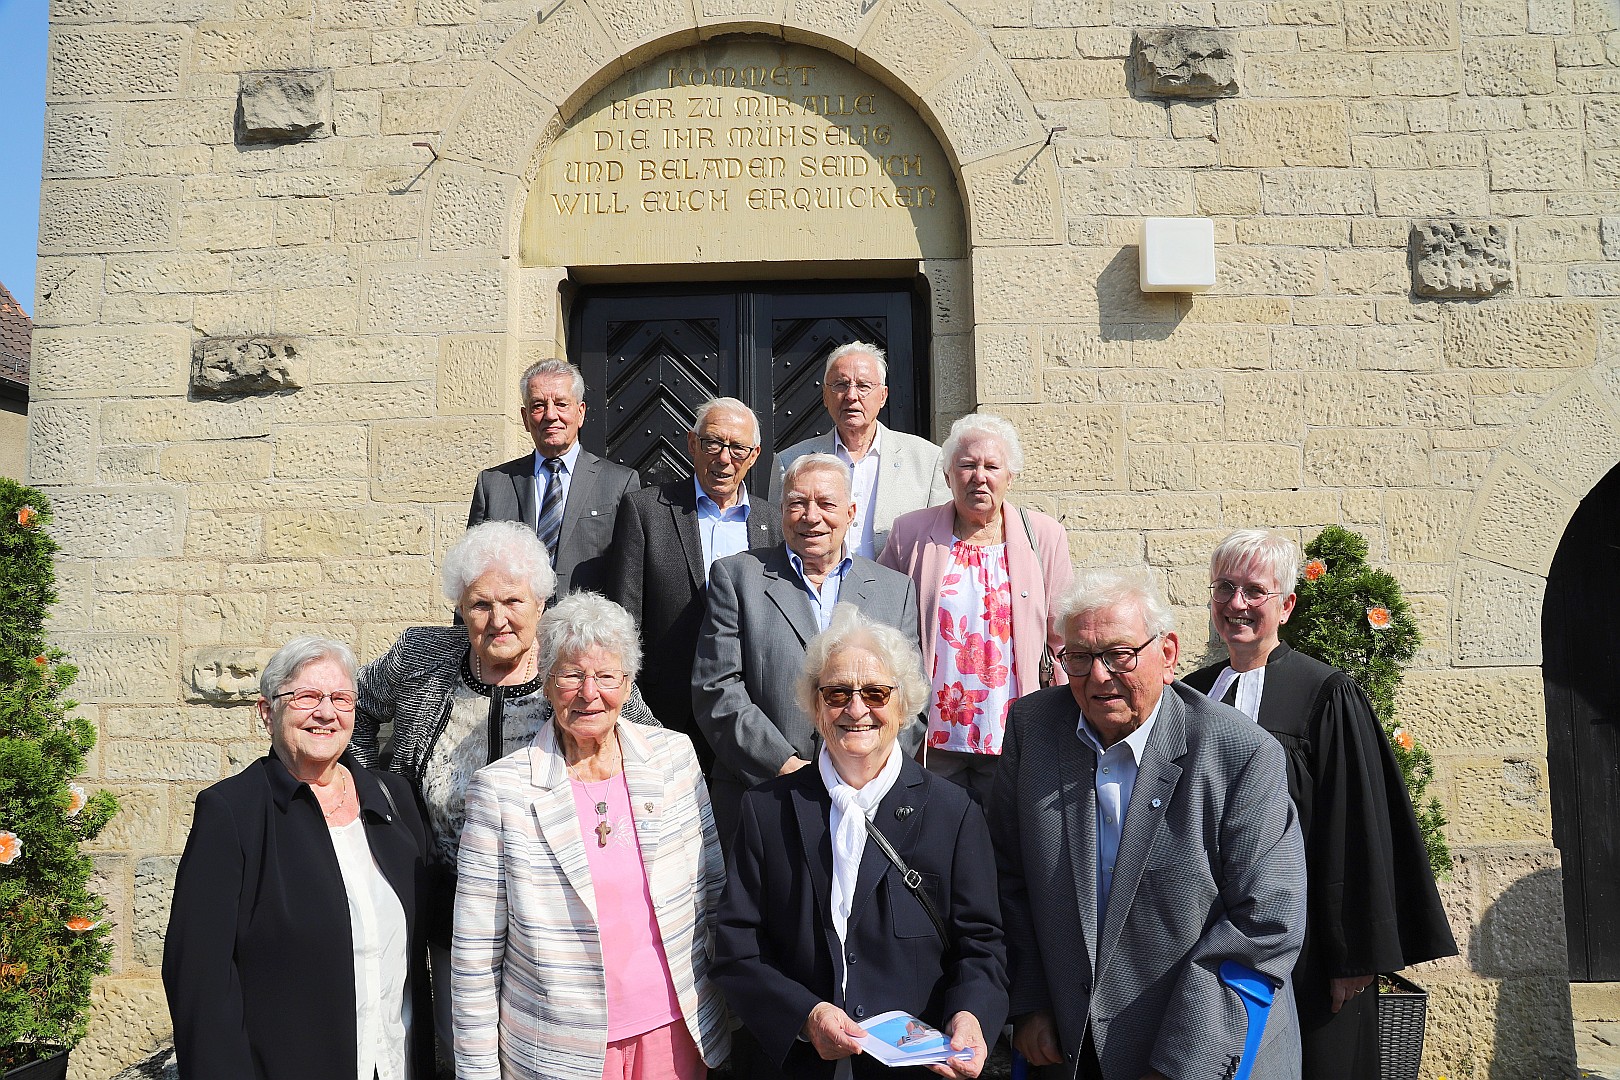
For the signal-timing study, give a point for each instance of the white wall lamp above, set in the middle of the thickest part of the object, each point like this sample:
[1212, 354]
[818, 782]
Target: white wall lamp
[1177, 255]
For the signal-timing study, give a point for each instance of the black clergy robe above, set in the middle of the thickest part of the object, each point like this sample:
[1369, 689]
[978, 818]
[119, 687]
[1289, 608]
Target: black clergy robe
[1372, 904]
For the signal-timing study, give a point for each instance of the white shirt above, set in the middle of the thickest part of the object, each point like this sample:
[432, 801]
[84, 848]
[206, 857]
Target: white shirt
[377, 924]
[1117, 768]
[569, 459]
[1250, 686]
[863, 482]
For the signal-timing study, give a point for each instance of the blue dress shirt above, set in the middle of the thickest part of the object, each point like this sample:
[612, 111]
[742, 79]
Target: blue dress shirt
[1117, 767]
[723, 532]
[824, 599]
[569, 459]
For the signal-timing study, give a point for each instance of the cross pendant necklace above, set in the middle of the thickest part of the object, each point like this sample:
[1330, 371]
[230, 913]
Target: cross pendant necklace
[602, 827]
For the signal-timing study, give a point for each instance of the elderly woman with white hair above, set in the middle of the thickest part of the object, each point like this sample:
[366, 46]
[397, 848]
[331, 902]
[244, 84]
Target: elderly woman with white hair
[1374, 906]
[452, 699]
[987, 575]
[862, 885]
[589, 869]
[294, 947]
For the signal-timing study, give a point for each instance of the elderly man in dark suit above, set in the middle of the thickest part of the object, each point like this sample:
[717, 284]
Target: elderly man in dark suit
[568, 494]
[1144, 837]
[665, 540]
[764, 607]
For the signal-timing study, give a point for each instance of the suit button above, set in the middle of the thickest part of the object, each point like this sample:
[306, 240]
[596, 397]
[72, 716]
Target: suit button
[860, 1011]
[850, 958]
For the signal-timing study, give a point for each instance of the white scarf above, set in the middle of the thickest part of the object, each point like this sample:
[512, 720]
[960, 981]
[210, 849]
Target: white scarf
[851, 809]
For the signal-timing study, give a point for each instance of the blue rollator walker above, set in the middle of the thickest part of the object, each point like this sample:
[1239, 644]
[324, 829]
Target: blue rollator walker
[1252, 988]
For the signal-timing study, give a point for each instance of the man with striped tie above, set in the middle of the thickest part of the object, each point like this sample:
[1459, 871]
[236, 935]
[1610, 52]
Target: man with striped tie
[567, 493]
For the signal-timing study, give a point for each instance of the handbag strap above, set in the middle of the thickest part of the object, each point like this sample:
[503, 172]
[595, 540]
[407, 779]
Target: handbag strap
[912, 879]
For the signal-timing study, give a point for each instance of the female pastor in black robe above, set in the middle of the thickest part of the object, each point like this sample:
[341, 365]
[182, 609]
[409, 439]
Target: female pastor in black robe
[1372, 903]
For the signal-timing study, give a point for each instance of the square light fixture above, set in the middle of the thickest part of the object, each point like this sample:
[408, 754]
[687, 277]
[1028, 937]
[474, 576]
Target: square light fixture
[1176, 255]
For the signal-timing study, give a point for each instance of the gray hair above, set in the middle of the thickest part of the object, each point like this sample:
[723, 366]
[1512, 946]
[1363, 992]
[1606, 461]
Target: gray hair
[815, 463]
[295, 655]
[510, 546]
[1271, 553]
[585, 620]
[865, 349]
[851, 628]
[975, 426]
[729, 404]
[545, 369]
[1099, 590]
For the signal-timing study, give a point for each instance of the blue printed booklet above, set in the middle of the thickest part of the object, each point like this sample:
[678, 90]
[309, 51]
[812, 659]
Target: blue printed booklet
[898, 1038]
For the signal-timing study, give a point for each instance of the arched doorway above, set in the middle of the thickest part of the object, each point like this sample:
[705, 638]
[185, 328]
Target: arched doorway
[1581, 669]
[727, 214]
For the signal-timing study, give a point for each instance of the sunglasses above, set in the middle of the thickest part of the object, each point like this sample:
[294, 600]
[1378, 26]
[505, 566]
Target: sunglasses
[875, 695]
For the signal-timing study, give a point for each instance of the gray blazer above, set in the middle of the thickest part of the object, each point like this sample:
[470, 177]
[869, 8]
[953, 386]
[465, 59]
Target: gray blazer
[750, 654]
[1210, 868]
[506, 493]
[911, 477]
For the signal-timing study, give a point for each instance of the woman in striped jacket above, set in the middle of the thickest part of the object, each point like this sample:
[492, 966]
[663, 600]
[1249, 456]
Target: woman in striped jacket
[588, 876]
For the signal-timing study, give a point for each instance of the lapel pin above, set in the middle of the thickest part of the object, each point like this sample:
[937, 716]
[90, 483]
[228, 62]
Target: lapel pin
[1155, 803]
[903, 812]
[648, 806]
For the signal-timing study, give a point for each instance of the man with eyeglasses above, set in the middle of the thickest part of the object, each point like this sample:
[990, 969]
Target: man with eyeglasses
[1374, 904]
[1144, 838]
[666, 538]
[891, 472]
[566, 493]
[764, 606]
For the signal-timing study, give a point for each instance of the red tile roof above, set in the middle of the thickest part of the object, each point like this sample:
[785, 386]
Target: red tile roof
[16, 329]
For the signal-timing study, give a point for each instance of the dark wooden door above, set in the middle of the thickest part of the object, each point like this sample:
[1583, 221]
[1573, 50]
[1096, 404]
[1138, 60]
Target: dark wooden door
[652, 354]
[1581, 668]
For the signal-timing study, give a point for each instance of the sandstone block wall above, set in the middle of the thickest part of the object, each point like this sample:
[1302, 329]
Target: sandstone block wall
[1309, 387]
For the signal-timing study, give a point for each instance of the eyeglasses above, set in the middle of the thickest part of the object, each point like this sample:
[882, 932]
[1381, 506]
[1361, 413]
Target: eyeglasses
[1224, 590]
[308, 698]
[712, 447]
[573, 680]
[1118, 660]
[842, 387]
[876, 695]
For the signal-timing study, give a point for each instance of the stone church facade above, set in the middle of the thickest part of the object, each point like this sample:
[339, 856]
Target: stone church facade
[294, 254]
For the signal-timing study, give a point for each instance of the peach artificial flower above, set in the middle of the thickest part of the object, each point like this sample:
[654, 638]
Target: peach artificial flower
[26, 516]
[1378, 617]
[41, 661]
[76, 800]
[1315, 569]
[80, 924]
[10, 848]
[1403, 738]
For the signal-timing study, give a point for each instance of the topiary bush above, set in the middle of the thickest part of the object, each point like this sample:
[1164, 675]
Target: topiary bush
[53, 938]
[1354, 616]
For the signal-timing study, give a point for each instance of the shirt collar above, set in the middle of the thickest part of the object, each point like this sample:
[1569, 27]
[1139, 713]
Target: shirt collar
[839, 570]
[875, 448]
[569, 458]
[709, 508]
[1136, 741]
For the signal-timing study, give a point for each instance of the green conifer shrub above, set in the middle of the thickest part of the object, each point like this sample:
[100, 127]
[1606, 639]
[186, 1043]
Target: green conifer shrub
[53, 937]
[1354, 616]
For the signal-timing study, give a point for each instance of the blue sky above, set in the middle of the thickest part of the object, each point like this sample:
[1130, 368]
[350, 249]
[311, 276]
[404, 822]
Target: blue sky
[22, 138]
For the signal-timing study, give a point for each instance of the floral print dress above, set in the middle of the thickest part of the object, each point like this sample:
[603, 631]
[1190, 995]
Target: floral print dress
[975, 677]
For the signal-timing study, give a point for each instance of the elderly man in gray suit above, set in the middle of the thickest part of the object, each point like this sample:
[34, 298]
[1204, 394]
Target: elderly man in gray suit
[568, 494]
[891, 472]
[1144, 836]
[764, 607]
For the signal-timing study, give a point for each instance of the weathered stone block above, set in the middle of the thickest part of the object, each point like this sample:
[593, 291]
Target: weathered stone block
[470, 208]
[919, 40]
[97, 523]
[1340, 457]
[122, 668]
[1464, 710]
[115, 63]
[426, 461]
[154, 885]
[1185, 63]
[981, 109]
[1072, 440]
[1509, 68]
[435, 300]
[1400, 24]
[1460, 258]
[1573, 438]
[1496, 617]
[284, 106]
[95, 216]
[1551, 334]
[1496, 800]
[1270, 133]
[245, 365]
[1536, 161]
[225, 674]
[1519, 518]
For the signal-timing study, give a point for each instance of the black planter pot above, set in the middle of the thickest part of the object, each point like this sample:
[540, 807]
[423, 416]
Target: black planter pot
[1402, 1012]
[53, 1067]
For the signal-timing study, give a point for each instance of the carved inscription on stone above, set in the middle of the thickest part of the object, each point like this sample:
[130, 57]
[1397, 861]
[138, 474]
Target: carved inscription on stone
[689, 157]
[1455, 259]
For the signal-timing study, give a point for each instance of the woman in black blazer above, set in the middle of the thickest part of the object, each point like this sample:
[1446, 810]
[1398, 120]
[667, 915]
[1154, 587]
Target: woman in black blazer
[294, 947]
[818, 931]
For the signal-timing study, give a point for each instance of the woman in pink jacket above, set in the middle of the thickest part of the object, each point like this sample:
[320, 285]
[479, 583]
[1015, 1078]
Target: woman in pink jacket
[987, 574]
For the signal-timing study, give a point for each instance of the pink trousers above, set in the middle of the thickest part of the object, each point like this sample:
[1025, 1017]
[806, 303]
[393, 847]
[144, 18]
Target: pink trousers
[665, 1053]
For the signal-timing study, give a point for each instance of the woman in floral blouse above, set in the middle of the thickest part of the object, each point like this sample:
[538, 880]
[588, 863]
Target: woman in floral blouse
[987, 574]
